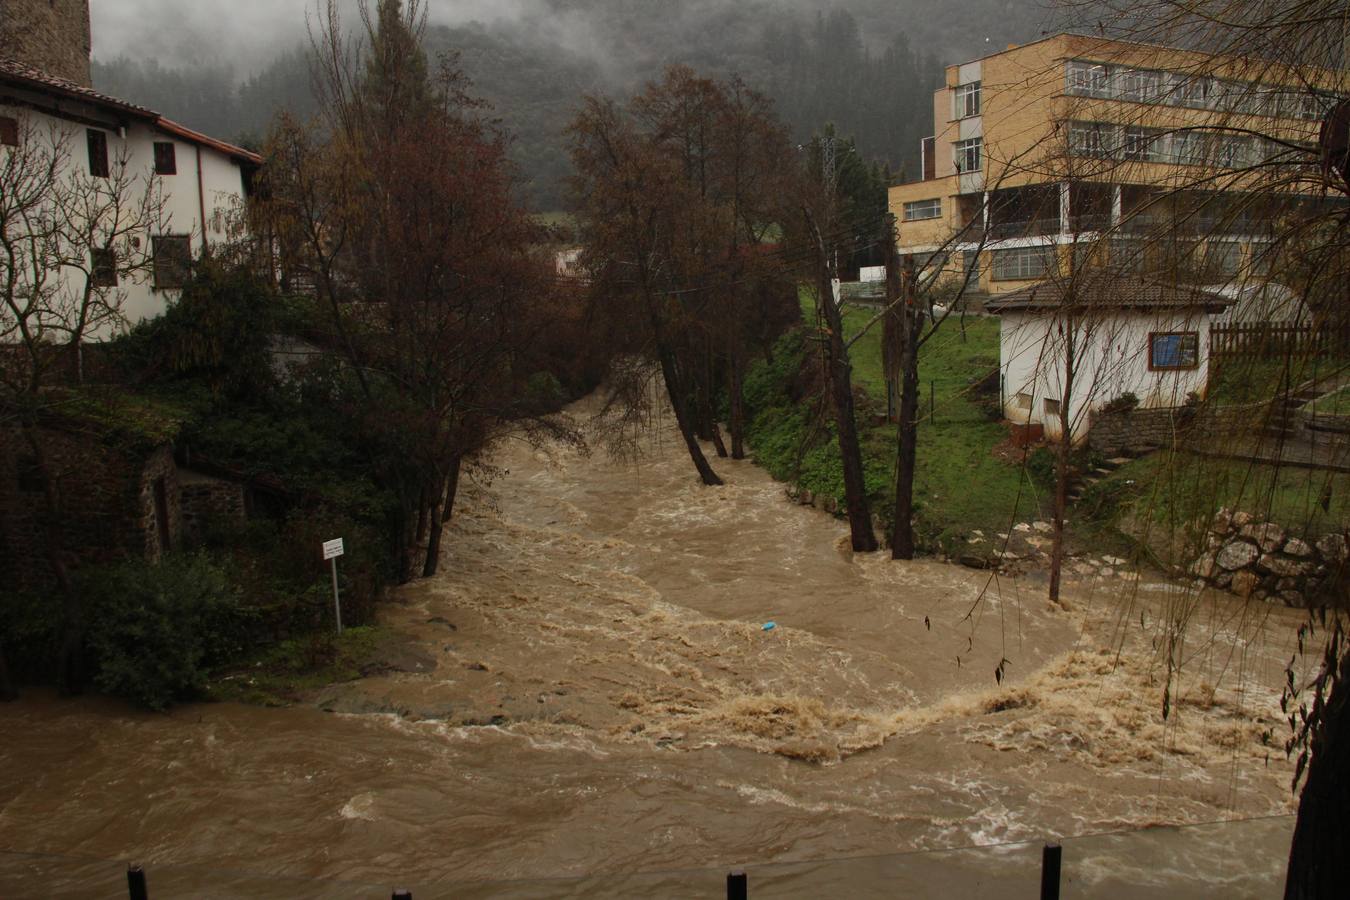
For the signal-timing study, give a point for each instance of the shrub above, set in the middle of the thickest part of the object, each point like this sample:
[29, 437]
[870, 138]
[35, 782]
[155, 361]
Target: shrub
[1122, 404]
[154, 631]
[30, 634]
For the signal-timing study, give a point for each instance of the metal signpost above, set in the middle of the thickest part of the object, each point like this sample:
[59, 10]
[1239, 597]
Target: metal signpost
[332, 550]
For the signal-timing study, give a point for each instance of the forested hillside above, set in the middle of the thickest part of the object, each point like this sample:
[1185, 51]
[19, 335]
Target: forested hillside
[868, 66]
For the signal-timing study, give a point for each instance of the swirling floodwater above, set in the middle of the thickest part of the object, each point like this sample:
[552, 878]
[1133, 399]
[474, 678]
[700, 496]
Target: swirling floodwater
[599, 701]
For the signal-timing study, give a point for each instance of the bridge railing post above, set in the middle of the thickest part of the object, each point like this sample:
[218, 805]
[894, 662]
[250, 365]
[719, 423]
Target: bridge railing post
[1050, 860]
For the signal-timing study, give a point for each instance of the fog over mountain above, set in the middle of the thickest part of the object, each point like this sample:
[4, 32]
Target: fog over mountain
[869, 66]
[251, 32]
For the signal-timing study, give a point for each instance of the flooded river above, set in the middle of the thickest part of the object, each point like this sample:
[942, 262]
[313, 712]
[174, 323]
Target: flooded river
[599, 696]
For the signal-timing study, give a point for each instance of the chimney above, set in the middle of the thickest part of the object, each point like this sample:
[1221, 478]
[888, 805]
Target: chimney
[51, 35]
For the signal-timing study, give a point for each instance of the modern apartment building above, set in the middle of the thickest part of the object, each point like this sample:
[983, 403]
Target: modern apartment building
[1077, 150]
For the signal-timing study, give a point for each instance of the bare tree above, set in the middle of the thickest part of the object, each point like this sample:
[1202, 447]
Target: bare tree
[1262, 154]
[69, 242]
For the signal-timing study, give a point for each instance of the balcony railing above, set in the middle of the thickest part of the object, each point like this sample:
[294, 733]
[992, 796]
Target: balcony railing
[999, 231]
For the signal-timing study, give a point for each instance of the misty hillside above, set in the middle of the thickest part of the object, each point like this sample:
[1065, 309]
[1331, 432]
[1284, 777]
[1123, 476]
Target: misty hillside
[869, 66]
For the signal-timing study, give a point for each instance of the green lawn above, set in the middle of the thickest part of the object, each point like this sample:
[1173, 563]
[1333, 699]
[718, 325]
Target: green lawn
[1237, 381]
[1336, 403]
[1175, 496]
[960, 485]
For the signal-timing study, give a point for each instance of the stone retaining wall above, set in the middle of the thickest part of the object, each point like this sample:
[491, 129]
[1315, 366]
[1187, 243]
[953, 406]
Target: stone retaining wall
[206, 500]
[107, 493]
[1138, 430]
[1261, 560]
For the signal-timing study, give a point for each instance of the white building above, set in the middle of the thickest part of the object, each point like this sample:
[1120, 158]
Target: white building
[204, 181]
[1126, 335]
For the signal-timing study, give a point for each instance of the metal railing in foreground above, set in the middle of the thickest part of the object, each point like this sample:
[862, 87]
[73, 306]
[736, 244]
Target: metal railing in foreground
[1235, 858]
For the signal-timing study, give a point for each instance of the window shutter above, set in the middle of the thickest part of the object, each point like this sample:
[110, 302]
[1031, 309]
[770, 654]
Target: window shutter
[98, 153]
[166, 162]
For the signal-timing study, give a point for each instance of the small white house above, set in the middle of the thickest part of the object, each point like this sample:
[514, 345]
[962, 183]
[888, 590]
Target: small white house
[1124, 334]
[204, 181]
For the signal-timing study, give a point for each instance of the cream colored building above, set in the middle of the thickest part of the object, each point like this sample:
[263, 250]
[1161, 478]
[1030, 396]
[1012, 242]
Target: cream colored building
[1148, 157]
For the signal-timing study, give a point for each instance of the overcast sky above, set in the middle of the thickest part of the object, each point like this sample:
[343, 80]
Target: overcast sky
[239, 33]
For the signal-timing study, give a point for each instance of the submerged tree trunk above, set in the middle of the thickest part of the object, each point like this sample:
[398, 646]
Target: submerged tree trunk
[718, 444]
[433, 554]
[1321, 846]
[7, 691]
[840, 376]
[736, 402]
[670, 374]
[422, 518]
[452, 487]
[441, 510]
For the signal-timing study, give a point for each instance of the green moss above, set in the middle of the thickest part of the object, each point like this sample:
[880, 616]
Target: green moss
[129, 419]
[282, 673]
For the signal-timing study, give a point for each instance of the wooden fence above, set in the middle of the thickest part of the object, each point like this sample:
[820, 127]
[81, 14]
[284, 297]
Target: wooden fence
[1264, 340]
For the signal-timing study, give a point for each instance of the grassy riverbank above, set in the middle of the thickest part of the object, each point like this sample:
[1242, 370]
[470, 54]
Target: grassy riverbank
[961, 483]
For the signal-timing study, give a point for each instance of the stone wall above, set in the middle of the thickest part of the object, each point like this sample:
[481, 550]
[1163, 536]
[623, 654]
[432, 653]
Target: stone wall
[205, 500]
[107, 502]
[1261, 560]
[159, 466]
[1133, 431]
[51, 35]
[1138, 430]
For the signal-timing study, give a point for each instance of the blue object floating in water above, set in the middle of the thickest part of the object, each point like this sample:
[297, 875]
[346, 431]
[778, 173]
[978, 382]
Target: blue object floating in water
[770, 626]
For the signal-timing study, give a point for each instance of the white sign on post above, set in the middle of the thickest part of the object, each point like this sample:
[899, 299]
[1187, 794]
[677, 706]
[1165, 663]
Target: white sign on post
[332, 550]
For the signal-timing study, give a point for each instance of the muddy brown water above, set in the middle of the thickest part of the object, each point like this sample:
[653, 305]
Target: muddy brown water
[593, 694]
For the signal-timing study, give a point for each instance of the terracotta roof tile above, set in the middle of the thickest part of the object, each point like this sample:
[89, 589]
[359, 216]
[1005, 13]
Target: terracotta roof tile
[13, 70]
[197, 137]
[1105, 289]
[21, 73]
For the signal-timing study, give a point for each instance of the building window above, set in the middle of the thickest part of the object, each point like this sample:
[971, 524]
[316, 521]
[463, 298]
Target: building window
[1024, 401]
[165, 161]
[922, 209]
[172, 259]
[103, 267]
[930, 263]
[1141, 144]
[1139, 85]
[1021, 263]
[1236, 151]
[1190, 148]
[1088, 254]
[1127, 255]
[968, 100]
[1051, 407]
[1194, 91]
[967, 155]
[970, 264]
[1092, 139]
[98, 153]
[9, 131]
[1222, 258]
[1174, 350]
[1088, 79]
